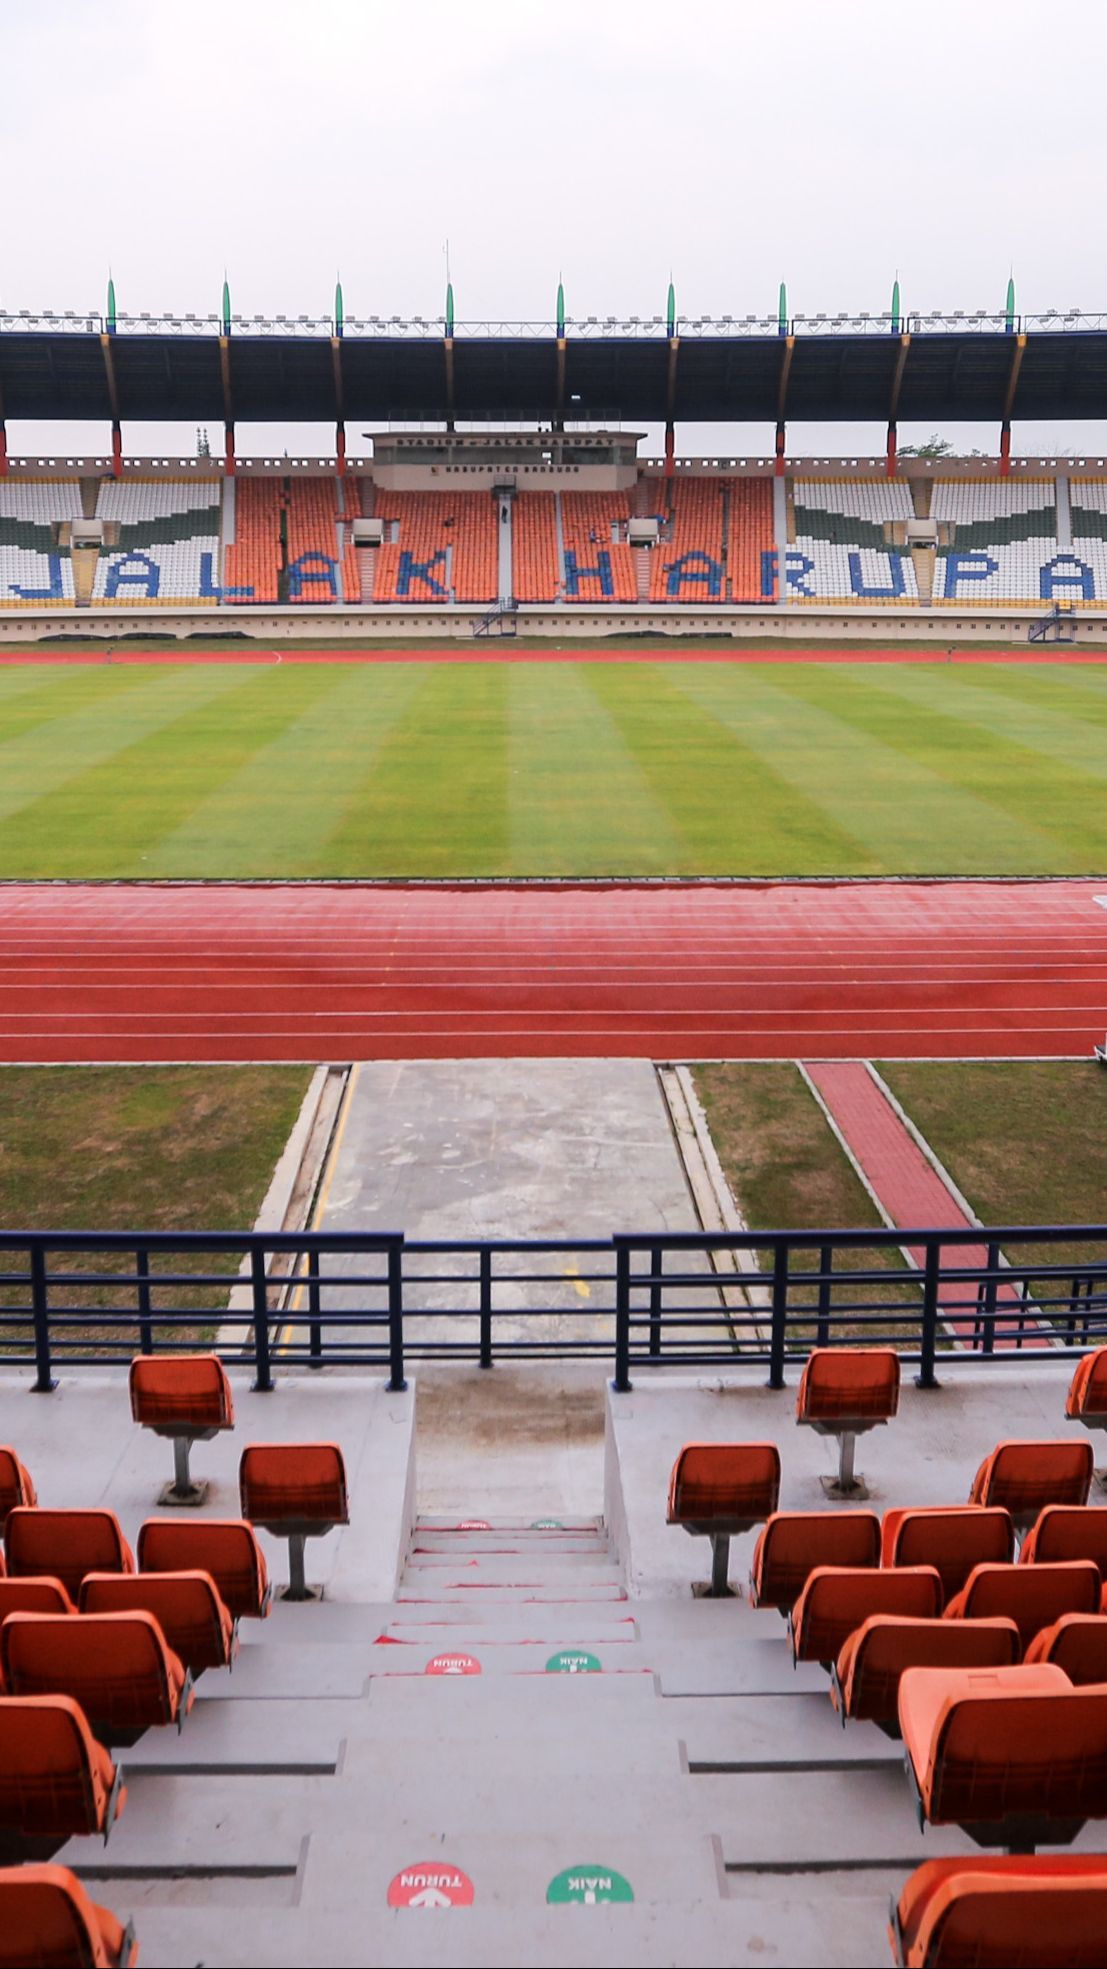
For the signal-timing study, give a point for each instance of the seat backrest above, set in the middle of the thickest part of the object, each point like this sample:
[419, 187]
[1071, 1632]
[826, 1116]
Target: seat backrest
[730, 1481]
[1032, 1596]
[793, 1543]
[840, 1383]
[55, 1779]
[953, 1539]
[116, 1665]
[1087, 1393]
[293, 1483]
[1067, 1531]
[46, 1917]
[186, 1606]
[1008, 1742]
[65, 1544]
[227, 1548]
[31, 1594]
[1011, 1926]
[15, 1484]
[1023, 1476]
[836, 1599]
[181, 1391]
[878, 1652]
[1077, 1642]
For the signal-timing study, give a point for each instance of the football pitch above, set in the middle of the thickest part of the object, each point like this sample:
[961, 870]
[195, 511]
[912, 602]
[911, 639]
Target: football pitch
[536, 768]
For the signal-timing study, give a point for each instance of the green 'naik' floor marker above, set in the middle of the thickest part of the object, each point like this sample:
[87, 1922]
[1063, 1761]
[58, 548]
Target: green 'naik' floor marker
[571, 1661]
[589, 1885]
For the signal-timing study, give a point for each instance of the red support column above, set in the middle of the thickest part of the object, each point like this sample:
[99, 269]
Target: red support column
[228, 450]
[116, 450]
[890, 463]
[1005, 450]
[340, 448]
[780, 446]
[670, 450]
[3, 450]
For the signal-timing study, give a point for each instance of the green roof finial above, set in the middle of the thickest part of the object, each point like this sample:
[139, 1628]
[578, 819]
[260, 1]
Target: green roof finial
[670, 309]
[782, 310]
[449, 307]
[896, 317]
[1011, 305]
[226, 305]
[339, 309]
[560, 309]
[111, 305]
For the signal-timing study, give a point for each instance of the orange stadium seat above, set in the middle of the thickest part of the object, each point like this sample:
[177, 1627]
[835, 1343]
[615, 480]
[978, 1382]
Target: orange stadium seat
[30, 1594]
[295, 1491]
[65, 1544]
[419, 566]
[954, 1538]
[1007, 1911]
[1077, 1643]
[1015, 1756]
[718, 1491]
[1032, 1596]
[836, 1599]
[793, 1543]
[864, 1682]
[224, 1547]
[186, 1397]
[186, 1605]
[689, 566]
[749, 538]
[593, 524]
[15, 1485]
[1086, 1400]
[56, 1781]
[1067, 1531]
[536, 574]
[46, 1918]
[254, 560]
[317, 572]
[116, 1665]
[1023, 1476]
[845, 1391]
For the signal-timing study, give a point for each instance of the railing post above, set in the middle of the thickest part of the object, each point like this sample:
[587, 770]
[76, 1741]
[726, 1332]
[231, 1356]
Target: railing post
[263, 1378]
[655, 1302]
[315, 1310]
[621, 1383]
[44, 1381]
[925, 1378]
[396, 1382]
[780, 1315]
[826, 1263]
[988, 1333]
[486, 1306]
[145, 1322]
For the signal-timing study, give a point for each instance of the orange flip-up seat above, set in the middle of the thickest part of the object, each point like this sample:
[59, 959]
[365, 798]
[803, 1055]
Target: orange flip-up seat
[295, 1491]
[227, 1548]
[1032, 1596]
[47, 1920]
[32, 1593]
[718, 1491]
[1016, 1756]
[1067, 1531]
[845, 1390]
[1077, 1642]
[836, 1599]
[65, 1544]
[55, 1779]
[186, 1605]
[186, 1397]
[793, 1543]
[864, 1682]
[952, 1538]
[1003, 1911]
[116, 1665]
[1023, 1476]
[1086, 1400]
[15, 1485]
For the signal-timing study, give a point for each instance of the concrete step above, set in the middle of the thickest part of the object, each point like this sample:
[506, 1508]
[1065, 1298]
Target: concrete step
[507, 1658]
[512, 1569]
[719, 1668]
[765, 1733]
[572, 1593]
[509, 1620]
[437, 1521]
[456, 1542]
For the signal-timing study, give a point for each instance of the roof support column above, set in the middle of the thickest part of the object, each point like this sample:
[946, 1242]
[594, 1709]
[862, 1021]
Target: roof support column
[893, 401]
[113, 399]
[1008, 405]
[339, 404]
[116, 448]
[3, 440]
[789, 349]
[228, 405]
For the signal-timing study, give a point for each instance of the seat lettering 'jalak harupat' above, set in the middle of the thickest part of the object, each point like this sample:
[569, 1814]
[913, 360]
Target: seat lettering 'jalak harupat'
[793, 1543]
[1022, 1477]
[845, 1391]
[47, 1918]
[1003, 1911]
[295, 1491]
[56, 1781]
[836, 1599]
[1032, 1596]
[186, 1605]
[953, 1539]
[186, 1397]
[720, 1490]
[65, 1544]
[15, 1485]
[227, 1548]
[116, 1665]
[864, 1683]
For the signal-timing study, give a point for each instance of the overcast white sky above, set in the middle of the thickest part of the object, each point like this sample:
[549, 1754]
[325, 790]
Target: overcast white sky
[828, 143]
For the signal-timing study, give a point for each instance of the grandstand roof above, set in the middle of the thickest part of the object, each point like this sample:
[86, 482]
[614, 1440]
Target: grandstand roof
[939, 369]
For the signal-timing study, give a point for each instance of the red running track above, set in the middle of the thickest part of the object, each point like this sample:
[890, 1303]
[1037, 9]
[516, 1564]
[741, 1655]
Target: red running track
[773, 971]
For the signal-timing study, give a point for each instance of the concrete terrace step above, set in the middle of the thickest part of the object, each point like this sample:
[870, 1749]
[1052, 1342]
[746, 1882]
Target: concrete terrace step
[513, 1569]
[459, 1526]
[513, 1620]
[573, 1592]
[498, 1657]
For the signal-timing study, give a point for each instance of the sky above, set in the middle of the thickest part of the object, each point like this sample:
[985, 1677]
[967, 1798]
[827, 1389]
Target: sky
[829, 144]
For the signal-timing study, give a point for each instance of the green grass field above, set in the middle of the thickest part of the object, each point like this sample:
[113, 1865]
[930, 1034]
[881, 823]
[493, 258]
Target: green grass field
[574, 768]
